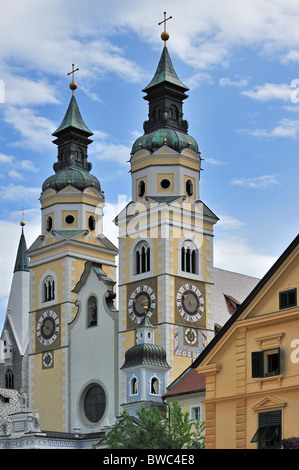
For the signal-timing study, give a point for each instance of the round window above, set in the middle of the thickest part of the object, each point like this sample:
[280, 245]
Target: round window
[94, 403]
[165, 183]
[69, 219]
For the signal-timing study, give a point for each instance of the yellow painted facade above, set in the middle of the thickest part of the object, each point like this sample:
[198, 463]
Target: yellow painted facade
[252, 365]
[60, 255]
[165, 227]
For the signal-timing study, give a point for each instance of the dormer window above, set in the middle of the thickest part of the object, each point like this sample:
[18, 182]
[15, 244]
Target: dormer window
[288, 298]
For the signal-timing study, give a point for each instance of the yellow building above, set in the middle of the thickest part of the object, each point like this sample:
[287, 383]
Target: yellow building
[251, 366]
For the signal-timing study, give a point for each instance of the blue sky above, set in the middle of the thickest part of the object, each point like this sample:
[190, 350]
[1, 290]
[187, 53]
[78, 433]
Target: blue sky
[241, 63]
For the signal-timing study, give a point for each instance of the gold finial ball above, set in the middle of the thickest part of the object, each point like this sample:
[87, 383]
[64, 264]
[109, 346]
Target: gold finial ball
[164, 36]
[73, 86]
[22, 223]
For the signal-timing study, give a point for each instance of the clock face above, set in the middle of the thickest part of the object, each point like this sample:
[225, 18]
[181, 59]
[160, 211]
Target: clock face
[190, 302]
[191, 336]
[142, 301]
[48, 360]
[47, 328]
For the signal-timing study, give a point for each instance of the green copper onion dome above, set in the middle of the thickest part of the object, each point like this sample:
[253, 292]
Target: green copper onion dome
[172, 138]
[76, 177]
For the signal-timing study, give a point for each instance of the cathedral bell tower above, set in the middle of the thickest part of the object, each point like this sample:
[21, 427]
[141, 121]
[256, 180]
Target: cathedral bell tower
[71, 206]
[166, 231]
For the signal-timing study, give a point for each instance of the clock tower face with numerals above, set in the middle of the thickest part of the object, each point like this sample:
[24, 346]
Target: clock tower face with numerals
[190, 302]
[142, 302]
[47, 329]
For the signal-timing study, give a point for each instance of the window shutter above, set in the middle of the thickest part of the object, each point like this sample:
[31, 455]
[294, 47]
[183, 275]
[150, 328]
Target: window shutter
[257, 364]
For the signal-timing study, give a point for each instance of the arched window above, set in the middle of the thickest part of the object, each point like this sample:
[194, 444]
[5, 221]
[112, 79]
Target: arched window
[141, 188]
[142, 258]
[92, 311]
[134, 386]
[49, 224]
[157, 113]
[189, 257]
[91, 223]
[9, 379]
[154, 386]
[189, 188]
[174, 113]
[48, 289]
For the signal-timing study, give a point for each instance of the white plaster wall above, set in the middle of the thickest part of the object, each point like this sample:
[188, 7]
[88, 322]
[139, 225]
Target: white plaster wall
[93, 355]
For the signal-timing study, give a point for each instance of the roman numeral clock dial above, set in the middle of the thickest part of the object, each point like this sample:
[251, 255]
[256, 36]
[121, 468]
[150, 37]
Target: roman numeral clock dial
[47, 328]
[190, 302]
[141, 302]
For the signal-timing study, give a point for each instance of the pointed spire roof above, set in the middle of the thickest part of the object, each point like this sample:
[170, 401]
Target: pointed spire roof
[22, 260]
[72, 139]
[165, 73]
[73, 119]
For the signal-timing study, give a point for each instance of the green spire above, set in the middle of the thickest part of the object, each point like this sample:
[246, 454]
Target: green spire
[22, 261]
[165, 73]
[73, 118]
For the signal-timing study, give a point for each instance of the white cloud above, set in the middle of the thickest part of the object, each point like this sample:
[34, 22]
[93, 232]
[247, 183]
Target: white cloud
[227, 222]
[21, 91]
[14, 167]
[14, 192]
[240, 83]
[104, 149]
[202, 33]
[35, 130]
[286, 128]
[259, 182]
[270, 91]
[236, 254]
[213, 161]
[15, 175]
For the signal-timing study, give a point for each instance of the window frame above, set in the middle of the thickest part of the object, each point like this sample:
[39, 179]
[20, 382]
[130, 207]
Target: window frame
[92, 322]
[142, 258]
[258, 363]
[287, 293]
[189, 258]
[48, 289]
[269, 422]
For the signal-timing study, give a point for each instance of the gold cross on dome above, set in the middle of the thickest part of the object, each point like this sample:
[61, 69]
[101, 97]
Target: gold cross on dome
[165, 35]
[73, 84]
